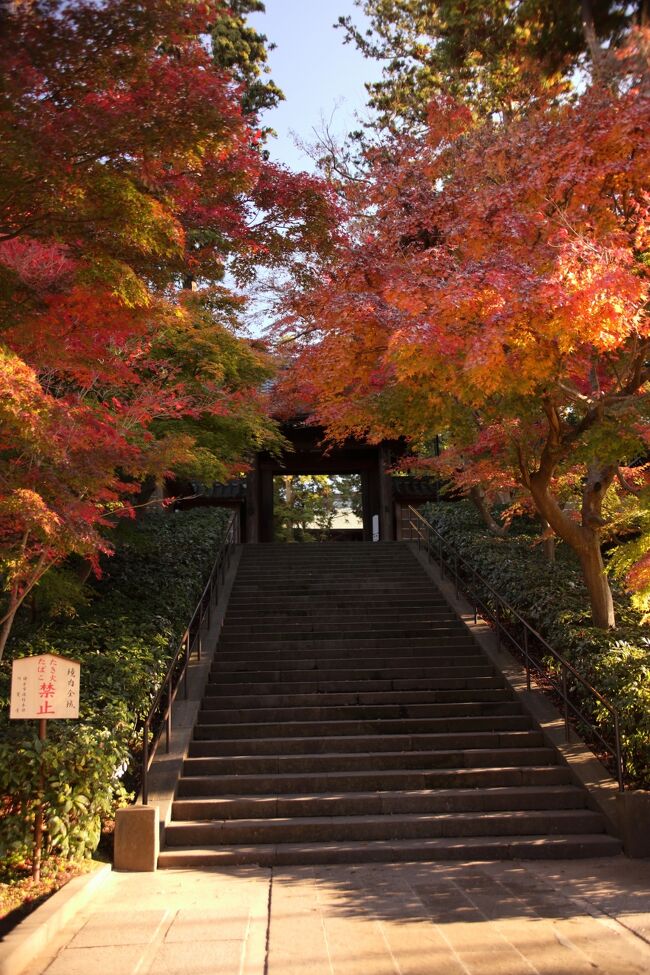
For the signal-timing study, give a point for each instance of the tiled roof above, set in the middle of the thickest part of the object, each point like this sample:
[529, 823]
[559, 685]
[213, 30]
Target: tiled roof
[414, 488]
[233, 491]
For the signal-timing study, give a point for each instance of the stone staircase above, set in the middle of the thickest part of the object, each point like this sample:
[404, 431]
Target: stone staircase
[350, 716]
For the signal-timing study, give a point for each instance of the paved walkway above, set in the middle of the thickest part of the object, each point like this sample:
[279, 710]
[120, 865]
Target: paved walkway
[553, 918]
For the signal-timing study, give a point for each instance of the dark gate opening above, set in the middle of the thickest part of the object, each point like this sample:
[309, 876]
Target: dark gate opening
[318, 507]
[309, 455]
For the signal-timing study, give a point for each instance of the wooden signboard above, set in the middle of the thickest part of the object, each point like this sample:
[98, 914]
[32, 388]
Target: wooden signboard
[43, 687]
[46, 686]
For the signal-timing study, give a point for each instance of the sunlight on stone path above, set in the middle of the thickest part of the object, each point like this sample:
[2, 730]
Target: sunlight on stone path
[374, 919]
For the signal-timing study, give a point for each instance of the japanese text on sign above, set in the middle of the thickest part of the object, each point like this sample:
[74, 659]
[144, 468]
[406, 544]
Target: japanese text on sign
[45, 687]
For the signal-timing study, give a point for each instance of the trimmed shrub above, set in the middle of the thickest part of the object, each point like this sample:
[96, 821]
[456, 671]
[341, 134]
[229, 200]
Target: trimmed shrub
[124, 636]
[552, 597]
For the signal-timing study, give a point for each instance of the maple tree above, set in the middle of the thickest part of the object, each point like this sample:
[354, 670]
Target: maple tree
[132, 165]
[494, 282]
[59, 480]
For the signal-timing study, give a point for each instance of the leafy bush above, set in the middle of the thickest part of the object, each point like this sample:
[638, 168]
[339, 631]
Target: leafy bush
[552, 597]
[124, 636]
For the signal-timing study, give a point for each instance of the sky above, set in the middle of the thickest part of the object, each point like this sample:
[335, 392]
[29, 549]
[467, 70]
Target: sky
[320, 76]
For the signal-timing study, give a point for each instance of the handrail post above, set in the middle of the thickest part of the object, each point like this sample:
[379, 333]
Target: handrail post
[620, 769]
[474, 600]
[145, 763]
[498, 622]
[168, 722]
[527, 657]
[456, 572]
[566, 703]
[186, 665]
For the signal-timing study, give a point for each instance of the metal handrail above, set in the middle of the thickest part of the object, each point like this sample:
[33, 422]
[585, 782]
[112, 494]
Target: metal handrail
[160, 712]
[496, 616]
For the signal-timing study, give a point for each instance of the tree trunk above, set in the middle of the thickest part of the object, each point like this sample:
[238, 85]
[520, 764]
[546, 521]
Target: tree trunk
[5, 629]
[157, 497]
[548, 540]
[477, 495]
[589, 30]
[584, 539]
[597, 583]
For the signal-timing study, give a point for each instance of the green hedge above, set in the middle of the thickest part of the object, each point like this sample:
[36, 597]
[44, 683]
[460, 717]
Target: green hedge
[552, 597]
[124, 636]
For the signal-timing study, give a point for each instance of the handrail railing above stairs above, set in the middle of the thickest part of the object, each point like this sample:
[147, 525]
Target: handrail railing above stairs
[159, 717]
[468, 580]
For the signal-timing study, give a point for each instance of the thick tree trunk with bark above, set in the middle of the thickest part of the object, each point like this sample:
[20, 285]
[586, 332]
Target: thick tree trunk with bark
[597, 583]
[583, 538]
[477, 495]
[548, 541]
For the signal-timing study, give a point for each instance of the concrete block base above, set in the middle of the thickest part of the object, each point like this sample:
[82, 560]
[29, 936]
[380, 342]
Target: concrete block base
[634, 821]
[136, 841]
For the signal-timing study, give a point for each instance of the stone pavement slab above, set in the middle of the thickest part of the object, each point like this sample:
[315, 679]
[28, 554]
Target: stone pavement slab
[589, 917]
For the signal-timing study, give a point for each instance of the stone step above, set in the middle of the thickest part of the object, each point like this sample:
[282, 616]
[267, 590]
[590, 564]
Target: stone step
[316, 571]
[321, 630]
[431, 671]
[435, 655]
[347, 600]
[367, 780]
[365, 761]
[289, 559]
[249, 609]
[328, 730]
[381, 803]
[327, 829]
[370, 717]
[334, 686]
[527, 847]
[361, 590]
[270, 660]
[399, 583]
[256, 553]
[341, 562]
[256, 703]
[357, 644]
[301, 619]
[358, 636]
[363, 743]
[321, 569]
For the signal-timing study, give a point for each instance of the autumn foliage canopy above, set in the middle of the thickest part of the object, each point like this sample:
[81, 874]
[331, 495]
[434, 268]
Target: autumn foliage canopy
[494, 283]
[132, 165]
